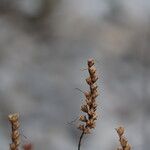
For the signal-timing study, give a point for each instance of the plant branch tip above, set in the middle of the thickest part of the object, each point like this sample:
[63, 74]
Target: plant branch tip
[88, 121]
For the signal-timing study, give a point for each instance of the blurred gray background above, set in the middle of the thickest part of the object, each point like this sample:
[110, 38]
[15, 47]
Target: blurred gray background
[44, 44]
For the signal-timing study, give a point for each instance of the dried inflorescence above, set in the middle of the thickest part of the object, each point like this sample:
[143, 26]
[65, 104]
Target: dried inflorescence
[90, 101]
[122, 139]
[15, 136]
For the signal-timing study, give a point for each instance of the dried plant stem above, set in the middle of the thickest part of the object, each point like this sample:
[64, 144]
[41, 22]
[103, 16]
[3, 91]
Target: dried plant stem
[80, 139]
[89, 106]
[15, 136]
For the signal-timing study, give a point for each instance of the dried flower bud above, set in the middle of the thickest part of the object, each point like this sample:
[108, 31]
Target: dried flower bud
[90, 62]
[87, 94]
[94, 116]
[90, 124]
[92, 70]
[94, 87]
[88, 102]
[95, 94]
[128, 147]
[13, 117]
[122, 139]
[84, 108]
[120, 131]
[94, 78]
[87, 131]
[12, 146]
[81, 127]
[89, 81]
[83, 118]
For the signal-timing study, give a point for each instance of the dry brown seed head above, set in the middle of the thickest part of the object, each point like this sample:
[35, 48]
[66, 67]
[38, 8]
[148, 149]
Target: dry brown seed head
[94, 86]
[94, 78]
[95, 117]
[120, 131]
[94, 106]
[84, 108]
[95, 94]
[90, 62]
[89, 81]
[12, 146]
[90, 124]
[87, 94]
[91, 113]
[92, 70]
[88, 102]
[13, 117]
[15, 134]
[15, 125]
[83, 118]
[81, 127]
[128, 147]
[87, 131]
[123, 141]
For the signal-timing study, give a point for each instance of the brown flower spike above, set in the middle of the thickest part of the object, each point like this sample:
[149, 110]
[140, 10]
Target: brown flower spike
[88, 120]
[14, 120]
[123, 141]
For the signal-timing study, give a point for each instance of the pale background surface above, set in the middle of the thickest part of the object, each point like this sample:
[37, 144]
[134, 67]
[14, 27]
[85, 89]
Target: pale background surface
[43, 46]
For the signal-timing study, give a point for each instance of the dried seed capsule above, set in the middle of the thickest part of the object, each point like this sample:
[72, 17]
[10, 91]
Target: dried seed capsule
[83, 118]
[90, 62]
[123, 141]
[120, 131]
[81, 127]
[89, 81]
[84, 108]
[87, 94]
[92, 70]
